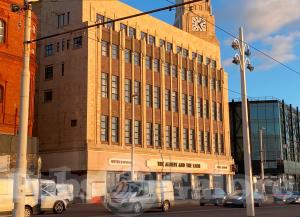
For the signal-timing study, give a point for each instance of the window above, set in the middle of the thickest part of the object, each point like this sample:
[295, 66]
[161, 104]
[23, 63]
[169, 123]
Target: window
[48, 72]
[168, 136]
[123, 26]
[148, 62]
[128, 138]
[63, 45]
[128, 91]
[169, 47]
[73, 123]
[144, 35]
[115, 51]
[115, 129]
[137, 92]
[214, 64]
[221, 144]
[162, 43]
[178, 49]
[184, 104]
[200, 59]
[61, 20]
[127, 56]
[175, 139]
[219, 85]
[149, 95]
[99, 18]
[204, 80]
[183, 74]
[190, 76]
[167, 69]
[157, 97]
[213, 84]
[168, 100]
[201, 141]
[199, 107]
[104, 85]
[175, 101]
[194, 55]
[191, 105]
[199, 78]
[137, 132]
[104, 48]
[206, 109]
[192, 140]
[185, 139]
[215, 143]
[174, 71]
[214, 111]
[110, 24]
[185, 53]
[207, 61]
[104, 128]
[149, 129]
[219, 112]
[137, 59]
[115, 87]
[2, 31]
[151, 39]
[57, 46]
[132, 32]
[49, 50]
[156, 65]
[48, 95]
[157, 135]
[77, 42]
[207, 141]
[1, 94]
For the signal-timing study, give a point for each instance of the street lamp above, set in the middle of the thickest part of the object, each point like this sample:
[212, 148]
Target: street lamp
[244, 62]
[132, 137]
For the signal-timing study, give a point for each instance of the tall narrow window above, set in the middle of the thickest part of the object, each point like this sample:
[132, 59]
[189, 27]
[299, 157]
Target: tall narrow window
[104, 48]
[77, 42]
[151, 39]
[168, 100]
[2, 31]
[184, 104]
[49, 50]
[149, 95]
[148, 62]
[185, 139]
[207, 141]
[192, 140]
[219, 112]
[169, 47]
[137, 59]
[183, 74]
[132, 32]
[199, 107]
[175, 139]
[1, 94]
[127, 56]
[128, 137]
[104, 85]
[128, 91]
[213, 83]
[185, 53]
[156, 66]
[221, 146]
[190, 76]
[157, 97]
[123, 26]
[115, 129]
[201, 141]
[167, 69]
[111, 24]
[191, 105]
[104, 128]
[216, 143]
[99, 18]
[115, 87]
[149, 129]
[162, 42]
[206, 109]
[175, 101]
[200, 59]
[199, 78]
[144, 35]
[115, 51]
[49, 72]
[137, 92]
[204, 80]
[168, 136]
[174, 71]
[157, 135]
[137, 132]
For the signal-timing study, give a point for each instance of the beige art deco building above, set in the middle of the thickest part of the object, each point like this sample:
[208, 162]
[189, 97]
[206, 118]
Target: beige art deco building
[86, 83]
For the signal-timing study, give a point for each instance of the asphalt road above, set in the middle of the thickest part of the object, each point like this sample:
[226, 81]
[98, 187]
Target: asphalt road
[184, 210]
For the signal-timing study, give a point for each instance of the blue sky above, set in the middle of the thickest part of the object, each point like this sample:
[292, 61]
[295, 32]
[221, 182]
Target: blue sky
[271, 26]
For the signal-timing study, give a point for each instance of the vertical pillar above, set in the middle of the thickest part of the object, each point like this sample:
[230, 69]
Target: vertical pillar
[229, 183]
[210, 181]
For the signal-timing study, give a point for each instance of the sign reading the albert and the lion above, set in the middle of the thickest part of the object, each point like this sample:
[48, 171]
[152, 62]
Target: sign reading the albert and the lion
[176, 165]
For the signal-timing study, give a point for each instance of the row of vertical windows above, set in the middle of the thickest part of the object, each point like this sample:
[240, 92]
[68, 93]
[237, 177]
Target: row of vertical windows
[50, 48]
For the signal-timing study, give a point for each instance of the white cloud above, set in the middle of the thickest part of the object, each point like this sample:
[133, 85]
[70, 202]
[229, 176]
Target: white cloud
[227, 62]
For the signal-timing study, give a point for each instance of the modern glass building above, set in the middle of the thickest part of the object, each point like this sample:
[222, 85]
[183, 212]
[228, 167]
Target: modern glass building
[281, 148]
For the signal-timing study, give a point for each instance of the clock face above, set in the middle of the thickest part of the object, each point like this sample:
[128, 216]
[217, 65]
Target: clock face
[199, 24]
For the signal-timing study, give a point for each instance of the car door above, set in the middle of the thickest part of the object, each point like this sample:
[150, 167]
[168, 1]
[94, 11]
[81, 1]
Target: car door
[47, 200]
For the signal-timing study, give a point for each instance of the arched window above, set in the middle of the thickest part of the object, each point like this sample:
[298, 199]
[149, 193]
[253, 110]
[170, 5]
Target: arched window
[2, 31]
[1, 94]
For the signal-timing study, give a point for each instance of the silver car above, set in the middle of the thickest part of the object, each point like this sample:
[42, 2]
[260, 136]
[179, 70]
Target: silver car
[238, 198]
[213, 196]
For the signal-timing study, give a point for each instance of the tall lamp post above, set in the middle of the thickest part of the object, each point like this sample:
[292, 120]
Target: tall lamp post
[244, 62]
[132, 176]
[262, 168]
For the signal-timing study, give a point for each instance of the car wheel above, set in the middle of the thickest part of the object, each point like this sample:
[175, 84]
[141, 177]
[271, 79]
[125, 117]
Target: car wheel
[59, 207]
[28, 211]
[165, 206]
[137, 208]
[202, 204]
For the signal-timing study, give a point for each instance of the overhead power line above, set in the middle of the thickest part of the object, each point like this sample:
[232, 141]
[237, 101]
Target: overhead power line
[115, 20]
[251, 46]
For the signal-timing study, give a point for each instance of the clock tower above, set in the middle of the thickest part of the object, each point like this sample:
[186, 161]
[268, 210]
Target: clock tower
[197, 19]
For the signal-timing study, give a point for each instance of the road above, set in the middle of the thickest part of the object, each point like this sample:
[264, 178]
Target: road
[184, 210]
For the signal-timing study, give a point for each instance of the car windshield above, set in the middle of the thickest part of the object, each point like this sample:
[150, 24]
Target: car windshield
[237, 193]
[125, 187]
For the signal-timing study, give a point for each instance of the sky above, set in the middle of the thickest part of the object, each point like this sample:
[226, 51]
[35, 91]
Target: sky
[272, 26]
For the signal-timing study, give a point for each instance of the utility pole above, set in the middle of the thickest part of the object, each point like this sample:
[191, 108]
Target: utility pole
[20, 175]
[244, 62]
[133, 137]
[262, 169]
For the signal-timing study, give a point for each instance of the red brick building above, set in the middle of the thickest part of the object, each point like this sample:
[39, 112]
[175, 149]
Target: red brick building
[11, 51]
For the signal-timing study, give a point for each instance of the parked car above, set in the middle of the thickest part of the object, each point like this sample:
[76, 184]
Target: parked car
[214, 196]
[238, 198]
[66, 191]
[292, 197]
[139, 196]
[281, 196]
